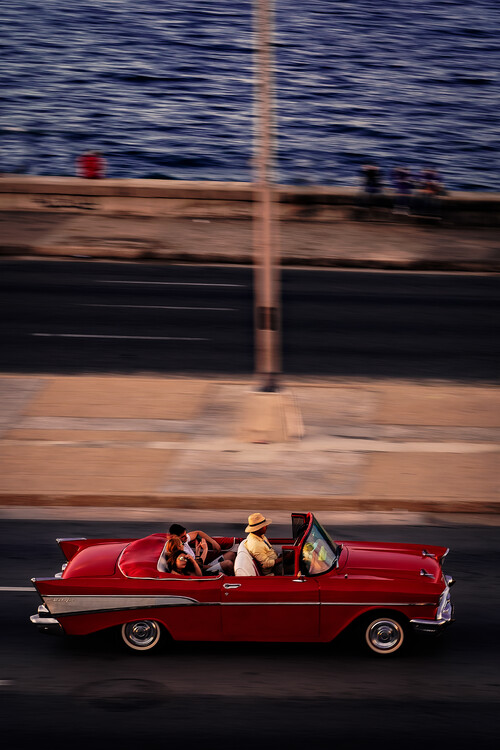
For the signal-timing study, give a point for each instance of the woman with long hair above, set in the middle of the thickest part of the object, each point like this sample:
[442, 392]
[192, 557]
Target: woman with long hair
[173, 544]
[181, 564]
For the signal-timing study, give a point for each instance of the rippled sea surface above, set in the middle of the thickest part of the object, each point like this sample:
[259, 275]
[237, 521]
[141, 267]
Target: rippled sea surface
[164, 88]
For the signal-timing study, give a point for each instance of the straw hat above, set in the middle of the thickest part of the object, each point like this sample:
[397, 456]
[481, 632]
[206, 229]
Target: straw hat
[256, 521]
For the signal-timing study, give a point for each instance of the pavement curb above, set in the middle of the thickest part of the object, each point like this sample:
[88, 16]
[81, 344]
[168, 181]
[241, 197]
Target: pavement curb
[130, 256]
[244, 502]
[225, 516]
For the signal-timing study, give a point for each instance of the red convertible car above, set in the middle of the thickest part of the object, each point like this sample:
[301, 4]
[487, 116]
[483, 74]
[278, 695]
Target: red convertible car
[385, 591]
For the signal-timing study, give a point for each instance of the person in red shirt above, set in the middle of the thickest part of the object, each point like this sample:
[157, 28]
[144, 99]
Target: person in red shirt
[91, 165]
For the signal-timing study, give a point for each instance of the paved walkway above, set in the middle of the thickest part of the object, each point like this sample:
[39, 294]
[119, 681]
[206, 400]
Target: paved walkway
[399, 243]
[165, 442]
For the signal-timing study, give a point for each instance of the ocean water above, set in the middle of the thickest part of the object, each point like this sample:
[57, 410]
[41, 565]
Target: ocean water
[164, 88]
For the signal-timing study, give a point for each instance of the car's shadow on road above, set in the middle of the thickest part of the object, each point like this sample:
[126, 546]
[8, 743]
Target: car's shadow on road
[346, 648]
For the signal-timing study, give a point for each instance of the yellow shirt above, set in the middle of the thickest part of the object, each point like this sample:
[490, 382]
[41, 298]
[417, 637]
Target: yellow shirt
[260, 548]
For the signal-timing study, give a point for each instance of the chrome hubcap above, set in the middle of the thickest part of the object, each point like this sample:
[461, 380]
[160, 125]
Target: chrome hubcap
[385, 634]
[142, 634]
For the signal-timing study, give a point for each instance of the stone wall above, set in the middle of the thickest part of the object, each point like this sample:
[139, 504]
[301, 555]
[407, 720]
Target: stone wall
[178, 198]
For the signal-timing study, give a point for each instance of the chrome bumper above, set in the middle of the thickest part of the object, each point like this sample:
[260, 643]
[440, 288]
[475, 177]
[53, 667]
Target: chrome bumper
[431, 627]
[444, 614]
[46, 624]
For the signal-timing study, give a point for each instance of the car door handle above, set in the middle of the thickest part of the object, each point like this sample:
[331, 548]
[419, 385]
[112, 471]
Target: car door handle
[231, 585]
[299, 580]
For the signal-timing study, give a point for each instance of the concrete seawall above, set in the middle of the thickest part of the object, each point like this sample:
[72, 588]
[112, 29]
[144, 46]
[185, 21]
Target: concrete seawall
[226, 200]
[211, 222]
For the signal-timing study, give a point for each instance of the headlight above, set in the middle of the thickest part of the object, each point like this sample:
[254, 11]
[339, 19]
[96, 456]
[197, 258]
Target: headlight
[445, 609]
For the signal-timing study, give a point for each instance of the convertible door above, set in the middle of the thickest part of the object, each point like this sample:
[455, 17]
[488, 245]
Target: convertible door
[269, 608]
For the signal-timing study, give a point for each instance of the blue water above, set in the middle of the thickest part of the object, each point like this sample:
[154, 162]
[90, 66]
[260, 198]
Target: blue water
[164, 88]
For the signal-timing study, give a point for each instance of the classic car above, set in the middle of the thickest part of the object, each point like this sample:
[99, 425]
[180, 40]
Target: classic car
[385, 592]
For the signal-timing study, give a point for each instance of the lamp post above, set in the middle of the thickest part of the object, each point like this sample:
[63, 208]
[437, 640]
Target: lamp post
[267, 317]
[270, 414]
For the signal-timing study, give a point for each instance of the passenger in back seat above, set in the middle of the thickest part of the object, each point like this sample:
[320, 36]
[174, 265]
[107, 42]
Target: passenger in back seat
[173, 544]
[223, 563]
[180, 564]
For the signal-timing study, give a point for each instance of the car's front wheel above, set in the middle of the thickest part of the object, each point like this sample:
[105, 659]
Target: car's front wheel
[141, 635]
[384, 634]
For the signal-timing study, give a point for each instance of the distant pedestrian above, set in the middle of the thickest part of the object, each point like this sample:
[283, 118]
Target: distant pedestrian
[430, 182]
[91, 165]
[403, 185]
[371, 188]
[372, 178]
[430, 189]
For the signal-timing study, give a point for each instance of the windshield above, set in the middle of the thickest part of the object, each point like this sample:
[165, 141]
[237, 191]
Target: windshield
[319, 553]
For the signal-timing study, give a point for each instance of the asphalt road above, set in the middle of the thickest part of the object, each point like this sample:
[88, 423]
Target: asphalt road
[92, 317]
[87, 692]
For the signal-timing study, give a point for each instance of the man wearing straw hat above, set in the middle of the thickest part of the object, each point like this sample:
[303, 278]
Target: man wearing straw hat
[259, 545]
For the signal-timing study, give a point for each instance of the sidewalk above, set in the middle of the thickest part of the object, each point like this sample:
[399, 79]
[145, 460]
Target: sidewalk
[165, 442]
[401, 243]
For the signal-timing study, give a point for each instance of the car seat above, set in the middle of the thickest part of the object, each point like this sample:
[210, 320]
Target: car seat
[244, 565]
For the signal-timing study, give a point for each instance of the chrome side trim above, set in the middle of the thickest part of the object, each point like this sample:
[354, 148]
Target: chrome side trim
[270, 604]
[133, 609]
[73, 604]
[84, 604]
[328, 604]
[181, 579]
[378, 604]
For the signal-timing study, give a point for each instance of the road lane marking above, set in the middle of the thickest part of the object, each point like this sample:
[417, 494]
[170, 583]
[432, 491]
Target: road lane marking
[167, 283]
[105, 336]
[163, 307]
[17, 588]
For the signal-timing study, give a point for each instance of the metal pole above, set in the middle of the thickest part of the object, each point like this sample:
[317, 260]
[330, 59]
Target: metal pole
[266, 261]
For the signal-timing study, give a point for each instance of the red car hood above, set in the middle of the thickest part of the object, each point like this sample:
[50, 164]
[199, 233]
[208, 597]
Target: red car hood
[403, 561]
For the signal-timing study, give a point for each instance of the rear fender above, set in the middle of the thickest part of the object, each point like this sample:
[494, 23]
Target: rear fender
[71, 546]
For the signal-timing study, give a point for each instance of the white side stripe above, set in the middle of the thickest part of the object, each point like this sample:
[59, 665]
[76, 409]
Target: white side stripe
[102, 336]
[166, 283]
[162, 307]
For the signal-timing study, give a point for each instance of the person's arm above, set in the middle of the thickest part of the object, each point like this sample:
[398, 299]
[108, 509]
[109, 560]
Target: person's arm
[196, 571]
[215, 545]
[201, 551]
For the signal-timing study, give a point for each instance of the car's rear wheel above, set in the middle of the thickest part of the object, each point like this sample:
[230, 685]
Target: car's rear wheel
[141, 635]
[384, 634]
